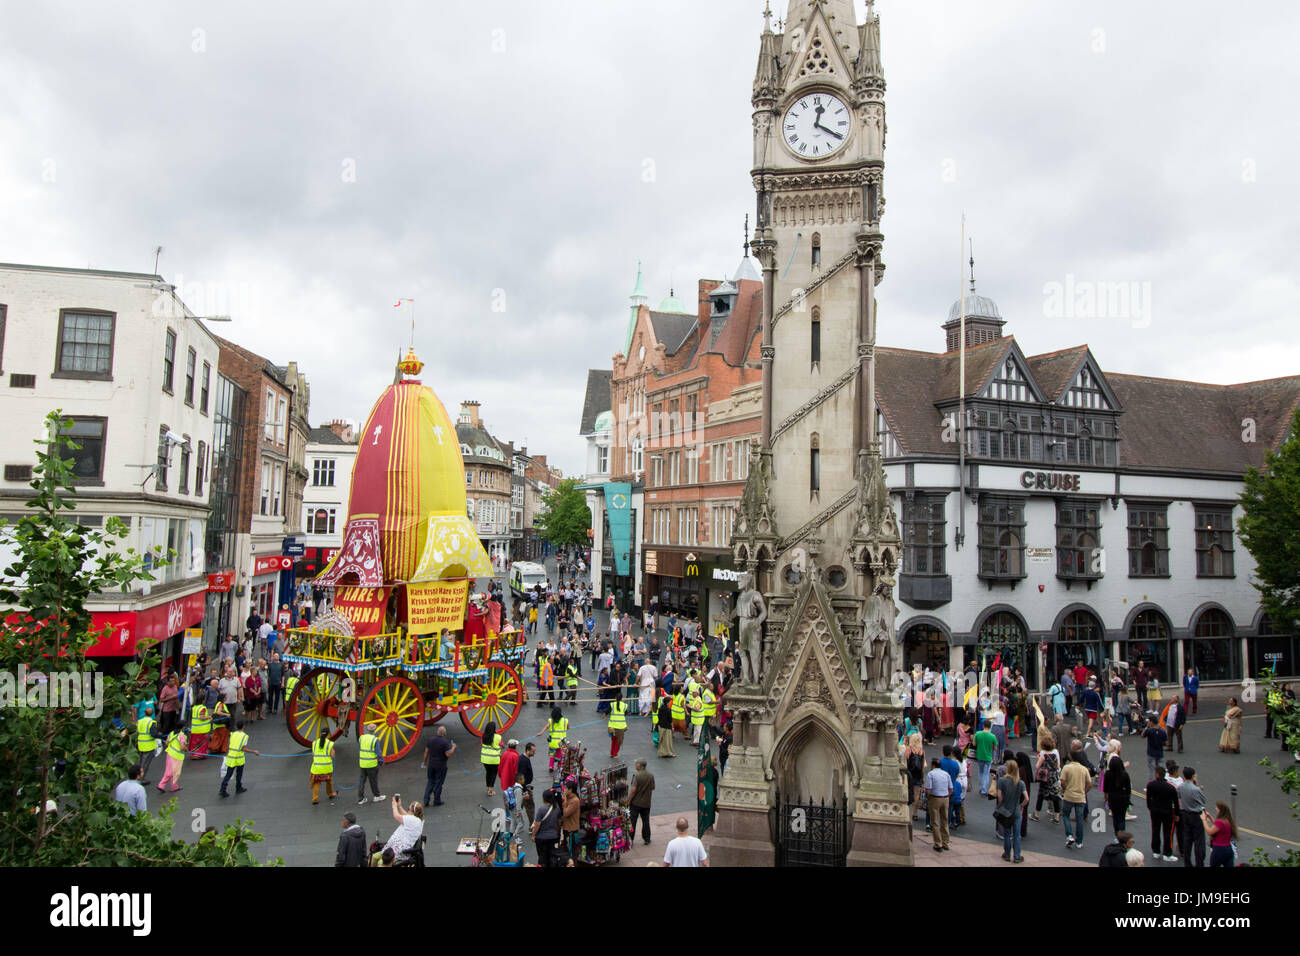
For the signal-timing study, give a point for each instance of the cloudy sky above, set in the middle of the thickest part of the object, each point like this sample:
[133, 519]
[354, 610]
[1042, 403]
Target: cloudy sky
[505, 163]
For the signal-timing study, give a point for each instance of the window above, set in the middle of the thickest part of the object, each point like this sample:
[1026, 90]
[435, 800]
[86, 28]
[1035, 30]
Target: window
[1148, 541]
[200, 468]
[203, 387]
[816, 250]
[87, 460]
[1214, 651]
[160, 473]
[693, 465]
[322, 473]
[1148, 641]
[657, 470]
[888, 443]
[266, 488]
[675, 468]
[1214, 543]
[280, 420]
[602, 460]
[638, 455]
[816, 346]
[686, 526]
[1078, 528]
[1010, 384]
[275, 490]
[1002, 538]
[321, 519]
[724, 519]
[469, 477]
[1086, 392]
[169, 361]
[740, 457]
[183, 485]
[814, 467]
[923, 534]
[191, 358]
[85, 345]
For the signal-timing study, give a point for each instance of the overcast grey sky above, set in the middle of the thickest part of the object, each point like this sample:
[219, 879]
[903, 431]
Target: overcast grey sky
[307, 165]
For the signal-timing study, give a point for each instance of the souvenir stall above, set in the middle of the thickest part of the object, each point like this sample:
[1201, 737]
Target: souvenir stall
[605, 821]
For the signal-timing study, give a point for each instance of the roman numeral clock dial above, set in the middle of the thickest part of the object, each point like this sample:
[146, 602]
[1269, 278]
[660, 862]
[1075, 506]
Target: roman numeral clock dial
[816, 125]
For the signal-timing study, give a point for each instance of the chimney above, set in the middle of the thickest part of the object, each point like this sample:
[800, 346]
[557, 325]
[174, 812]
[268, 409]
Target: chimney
[469, 414]
[343, 429]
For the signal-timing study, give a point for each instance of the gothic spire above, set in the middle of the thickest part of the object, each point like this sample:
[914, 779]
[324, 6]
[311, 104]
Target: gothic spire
[869, 66]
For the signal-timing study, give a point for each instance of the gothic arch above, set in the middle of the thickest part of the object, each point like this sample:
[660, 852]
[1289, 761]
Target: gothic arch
[1070, 609]
[1133, 616]
[811, 762]
[1201, 611]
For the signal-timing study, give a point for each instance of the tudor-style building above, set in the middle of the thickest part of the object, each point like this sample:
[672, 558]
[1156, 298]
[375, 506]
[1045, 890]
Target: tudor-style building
[1096, 520]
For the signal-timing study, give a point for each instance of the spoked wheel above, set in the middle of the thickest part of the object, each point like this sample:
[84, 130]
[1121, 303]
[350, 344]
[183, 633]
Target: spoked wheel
[502, 694]
[316, 704]
[396, 707]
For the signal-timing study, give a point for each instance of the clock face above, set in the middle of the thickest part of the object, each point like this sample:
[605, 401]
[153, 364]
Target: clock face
[816, 125]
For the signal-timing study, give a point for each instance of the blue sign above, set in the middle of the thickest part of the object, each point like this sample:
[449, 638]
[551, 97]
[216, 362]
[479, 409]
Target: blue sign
[618, 498]
[294, 548]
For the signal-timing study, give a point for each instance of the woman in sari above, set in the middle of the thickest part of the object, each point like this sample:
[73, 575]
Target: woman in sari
[1230, 739]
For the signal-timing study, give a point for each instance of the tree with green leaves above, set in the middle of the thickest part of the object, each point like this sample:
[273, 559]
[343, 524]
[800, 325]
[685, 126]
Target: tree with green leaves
[61, 763]
[1270, 529]
[567, 518]
[1287, 724]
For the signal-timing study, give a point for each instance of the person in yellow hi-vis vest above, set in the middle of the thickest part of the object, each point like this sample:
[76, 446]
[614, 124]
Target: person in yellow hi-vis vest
[237, 748]
[679, 711]
[556, 729]
[146, 743]
[490, 754]
[696, 706]
[177, 746]
[617, 724]
[322, 767]
[290, 683]
[200, 730]
[369, 759]
[710, 701]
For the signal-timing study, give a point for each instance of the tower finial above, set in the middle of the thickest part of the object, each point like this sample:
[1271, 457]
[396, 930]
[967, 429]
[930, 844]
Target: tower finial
[746, 235]
[972, 266]
[767, 17]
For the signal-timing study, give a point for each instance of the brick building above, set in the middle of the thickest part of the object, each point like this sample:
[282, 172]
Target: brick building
[685, 402]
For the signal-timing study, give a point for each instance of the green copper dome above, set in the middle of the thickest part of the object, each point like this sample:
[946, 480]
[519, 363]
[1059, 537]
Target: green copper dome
[671, 303]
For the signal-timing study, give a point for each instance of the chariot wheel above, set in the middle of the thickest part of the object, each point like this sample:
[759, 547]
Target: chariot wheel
[502, 695]
[396, 707]
[316, 704]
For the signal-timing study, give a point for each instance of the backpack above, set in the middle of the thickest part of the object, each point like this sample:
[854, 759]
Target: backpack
[511, 804]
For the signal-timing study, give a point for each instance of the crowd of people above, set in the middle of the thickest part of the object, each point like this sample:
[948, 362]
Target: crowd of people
[1073, 744]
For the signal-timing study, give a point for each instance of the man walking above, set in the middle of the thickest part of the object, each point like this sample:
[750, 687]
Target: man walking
[938, 788]
[984, 744]
[1175, 717]
[275, 683]
[643, 786]
[146, 741]
[369, 760]
[617, 724]
[1155, 738]
[352, 843]
[436, 752]
[1076, 781]
[235, 756]
[1191, 688]
[1162, 802]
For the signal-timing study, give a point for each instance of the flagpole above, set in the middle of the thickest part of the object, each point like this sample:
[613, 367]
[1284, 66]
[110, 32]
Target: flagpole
[961, 398]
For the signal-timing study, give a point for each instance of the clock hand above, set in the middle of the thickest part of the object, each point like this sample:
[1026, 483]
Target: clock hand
[818, 125]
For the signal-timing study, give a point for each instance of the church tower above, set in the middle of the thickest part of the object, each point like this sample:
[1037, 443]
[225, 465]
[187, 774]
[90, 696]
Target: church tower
[815, 529]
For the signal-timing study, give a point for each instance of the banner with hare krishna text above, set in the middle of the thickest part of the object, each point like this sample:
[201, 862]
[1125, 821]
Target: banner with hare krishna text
[434, 606]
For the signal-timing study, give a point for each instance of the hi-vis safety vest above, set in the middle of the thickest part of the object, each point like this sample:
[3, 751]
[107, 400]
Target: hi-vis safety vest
[557, 733]
[1275, 699]
[546, 676]
[200, 720]
[235, 755]
[174, 748]
[697, 710]
[491, 752]
[617, 715]
[710, 704]
[679, 706]
[322, 756]
[289, 685]
[367, 745]
[571, 680]
[144, 734]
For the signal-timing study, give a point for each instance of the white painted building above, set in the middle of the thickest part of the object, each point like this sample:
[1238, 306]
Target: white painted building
[1096, 519]
[331, 454]
[596, 430]
[121, 356]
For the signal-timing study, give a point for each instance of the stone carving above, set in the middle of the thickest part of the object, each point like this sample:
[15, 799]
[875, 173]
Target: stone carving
[878, 636]
[756, 516]
[876, 541]
[812, 687]
[752, 612]
[873, 124]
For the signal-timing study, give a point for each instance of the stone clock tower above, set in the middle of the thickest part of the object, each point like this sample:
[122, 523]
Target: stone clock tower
[814, 724]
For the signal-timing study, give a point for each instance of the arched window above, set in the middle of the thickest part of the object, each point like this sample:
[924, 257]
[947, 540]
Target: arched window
[1214, 650]
[816, 333]
[817, 250]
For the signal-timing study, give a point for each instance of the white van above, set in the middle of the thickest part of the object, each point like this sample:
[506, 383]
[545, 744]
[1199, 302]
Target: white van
[524, 575]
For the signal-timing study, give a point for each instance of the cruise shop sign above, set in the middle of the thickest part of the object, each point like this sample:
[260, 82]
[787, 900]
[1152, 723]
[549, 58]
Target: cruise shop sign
[1049, 481]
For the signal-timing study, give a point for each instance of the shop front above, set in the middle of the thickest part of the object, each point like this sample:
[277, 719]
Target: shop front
[665, 579]
[265, 587]
[925, 645]
[1003, 641]
[1213, 649]
[130, 633]
[717, 584]
[1272, 651]
[1080, 639]
[1150, 641]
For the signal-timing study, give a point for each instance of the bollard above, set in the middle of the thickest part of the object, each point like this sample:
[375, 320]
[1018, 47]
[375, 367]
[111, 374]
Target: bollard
[1233, 791]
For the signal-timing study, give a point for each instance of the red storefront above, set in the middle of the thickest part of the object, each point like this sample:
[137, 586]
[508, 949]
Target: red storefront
[129, 630]
[313, 561]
